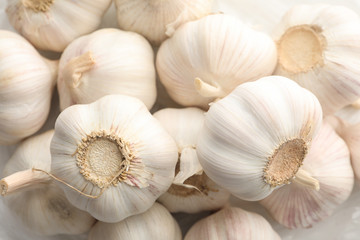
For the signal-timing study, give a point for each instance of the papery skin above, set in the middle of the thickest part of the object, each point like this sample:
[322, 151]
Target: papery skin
[129, 119]
[64, 21]
[296, 206]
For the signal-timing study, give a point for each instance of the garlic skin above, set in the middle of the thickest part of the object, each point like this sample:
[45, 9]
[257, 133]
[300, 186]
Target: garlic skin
[116, 151]
[255, 139]
[296, 206]
[232, 223]
[156, 223]
[318, 48]
[192, 191]
[350, 113]
[52, 25]
[156, 19]
[220, 52]
[107, 61]
[25, 92]
[39, 204]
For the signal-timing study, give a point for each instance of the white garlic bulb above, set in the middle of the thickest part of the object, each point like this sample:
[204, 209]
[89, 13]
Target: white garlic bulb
[39, 204]
[232, 223]
[52, 25]
[116, 149]
[220, 52]
[328, 161]
[156, 223]
[26, 84]
[192, 191]
[154, 18]
[350, 114]
[256, 138]
[108, 61]
[318, 48]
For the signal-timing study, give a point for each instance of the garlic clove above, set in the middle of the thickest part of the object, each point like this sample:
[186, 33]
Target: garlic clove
[255, 139]
[156, 19]
[89, 71]
[206, 59]
[115, 151]
[317, 48]
[155, 223]
[52, 25]
[232, 223]
[328, 161]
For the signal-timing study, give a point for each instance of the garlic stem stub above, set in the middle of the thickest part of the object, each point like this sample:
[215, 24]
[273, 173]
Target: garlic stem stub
[192, 191]
[156, 223]
[207, 58]
[328, 161]
[115, 151]
[52, 25]
[318, 48]
[157, 19]
[26, 84]
[39, 204]
[107, 61]
[255, 139]
[232, 223]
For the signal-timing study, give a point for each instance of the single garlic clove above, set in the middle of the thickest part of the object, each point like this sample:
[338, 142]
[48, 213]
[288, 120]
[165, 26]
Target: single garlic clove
[40, 205]
[108, 61]
[255, 139]
[206, 59]
[317, 48]
[115, 151]
[192, 191]
[232, 223]
[156, 223]
[156, 19]
[328, 161]
[25, 92]
[52, 25]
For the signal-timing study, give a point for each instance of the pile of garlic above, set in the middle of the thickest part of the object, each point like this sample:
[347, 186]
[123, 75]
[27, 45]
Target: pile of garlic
[250, 118]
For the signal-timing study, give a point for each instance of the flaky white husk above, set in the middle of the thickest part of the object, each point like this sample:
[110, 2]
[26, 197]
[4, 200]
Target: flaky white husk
[43, 207]
[335, 82]
[184, 126]
[26, 84]
[242, 131]
[297, 206]
[150, 174]
[232, 223]
[220, 50]
[156, 223]
[62, 21]
[154, 18]
[108, 61]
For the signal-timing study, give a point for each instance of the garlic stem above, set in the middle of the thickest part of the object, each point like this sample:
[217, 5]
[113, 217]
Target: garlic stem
[76, 67]
[207, 90]
[356, 104]
[304, 178]
[21, 180]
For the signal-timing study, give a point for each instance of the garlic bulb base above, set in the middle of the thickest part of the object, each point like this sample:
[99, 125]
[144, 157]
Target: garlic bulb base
[37, 5]
[301, 48]
[208, 90]
[21, 180]
[304, 178]
[285, 162]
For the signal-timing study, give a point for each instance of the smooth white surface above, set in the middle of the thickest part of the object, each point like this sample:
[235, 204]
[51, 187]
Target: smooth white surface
[261, 15]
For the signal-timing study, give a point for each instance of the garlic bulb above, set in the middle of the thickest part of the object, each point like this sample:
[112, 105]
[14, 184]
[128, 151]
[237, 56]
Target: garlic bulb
[115, 151]
[220, 52]
[232, 223]
[328, 161]
[350, 113]
[25, 91]
[154, 18]
[39, 204]
[108, 61]
[156, 223]
[318, 48]
[255, 139]
[52, 25]
[192, 191]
